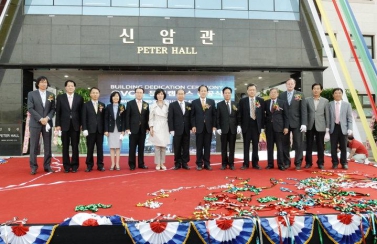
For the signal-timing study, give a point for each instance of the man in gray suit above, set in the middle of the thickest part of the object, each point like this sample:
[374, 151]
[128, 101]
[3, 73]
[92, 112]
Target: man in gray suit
[318, 125]
[41, 106]
[297, 122]
[340, 127]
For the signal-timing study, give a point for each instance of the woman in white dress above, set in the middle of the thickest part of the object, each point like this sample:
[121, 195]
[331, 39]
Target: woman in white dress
[158, 128]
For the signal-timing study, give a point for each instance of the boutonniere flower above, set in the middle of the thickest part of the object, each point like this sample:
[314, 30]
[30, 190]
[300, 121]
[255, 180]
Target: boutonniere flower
[100, 107]
[121, 108]
[234, 108]
[277, 107]
[257, 104]
[298, 97]
[206, 107]
[145, 106]
[51, 98]
[188, 108]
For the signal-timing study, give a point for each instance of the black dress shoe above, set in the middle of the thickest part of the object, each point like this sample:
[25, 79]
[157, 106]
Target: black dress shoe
[208, 168]
[88, 170]
[269, 167]
[198, 168]
[244, 167]
[101, 169]
[321, 167]
[287, 166]
[308, 166]
[232, 167]
[298, 167]
[143, 167]
[186, 167]
[281, 168]
[223, 168]
[33, 172]
[334, 166]
[256, 167]
[345, 166]
[132, 169]
[74, 170]
[49, 170]
[66, 171]
[176, 167]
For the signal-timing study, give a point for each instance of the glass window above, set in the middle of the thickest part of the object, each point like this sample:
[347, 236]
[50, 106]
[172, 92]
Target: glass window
[116, 11]
[125, 3]
[68, 10]
[205, 13]
[263, 5]
[370, 45]
[180, 3]
[68, 2]
[235, 4]
[331, 47]
[164, 12]
[99, 3]
[39, 2]
[287, 5]
[208, 4]
[153, 3]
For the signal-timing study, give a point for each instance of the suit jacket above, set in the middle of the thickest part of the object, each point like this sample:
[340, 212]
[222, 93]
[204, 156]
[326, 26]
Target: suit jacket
[198, 115]
[64, 113]
[297, 110]
[92, 121]
[110, 120]
[244, 113]
[36, 109]
[345, 117]
[278, 118]
[319, 117]
[177, 121]
[225, 121]
[136, 119]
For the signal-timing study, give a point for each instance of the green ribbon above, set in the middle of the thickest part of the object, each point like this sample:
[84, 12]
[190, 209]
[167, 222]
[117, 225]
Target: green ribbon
[91, 207]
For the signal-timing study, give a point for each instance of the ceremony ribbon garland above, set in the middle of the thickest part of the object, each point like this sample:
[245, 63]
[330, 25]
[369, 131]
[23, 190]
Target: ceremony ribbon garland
[91, 207]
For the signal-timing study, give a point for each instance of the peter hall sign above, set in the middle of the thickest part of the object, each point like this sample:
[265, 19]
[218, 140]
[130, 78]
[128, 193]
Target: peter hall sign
[167, 38]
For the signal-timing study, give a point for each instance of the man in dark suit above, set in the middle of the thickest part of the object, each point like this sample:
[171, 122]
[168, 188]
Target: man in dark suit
[137, 117]
[227, 128]
[68, 122]
[93, 114]
[203, 121]
[179, 127]
[251, 116]
[297, 122]
[318, 125]
[340, 127]
[41, 106]
[277, 125]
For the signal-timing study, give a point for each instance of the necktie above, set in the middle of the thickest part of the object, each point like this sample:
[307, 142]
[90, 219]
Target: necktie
[229, 110]
[70, 101]
[252, 109]
[337, 113]
[95, 106]
[272, 106]
[290, 97]
[139, 105]
[182, 108]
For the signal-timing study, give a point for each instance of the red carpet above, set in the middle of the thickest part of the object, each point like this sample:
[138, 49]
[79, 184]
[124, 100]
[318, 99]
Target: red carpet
[50, 198]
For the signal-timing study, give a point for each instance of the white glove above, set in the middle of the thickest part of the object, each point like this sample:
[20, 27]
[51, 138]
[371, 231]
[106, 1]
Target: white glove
[48, 127]
[85, 133]
[172, 132]
[128, 132]
[262, 131]
[303, 128]
[327, 130]
[349, 132]
[59, 133]
[327, 137]
[214, 132]
[121, 137]
[239, 130]
[219, 132]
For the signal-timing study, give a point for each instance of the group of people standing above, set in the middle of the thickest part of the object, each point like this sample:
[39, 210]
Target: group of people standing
[280, 116]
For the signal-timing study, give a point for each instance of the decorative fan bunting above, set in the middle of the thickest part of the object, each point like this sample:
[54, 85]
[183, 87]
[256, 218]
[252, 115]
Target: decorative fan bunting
[25, 234]
[225, 230]
[158, 232]
[282, 229]
[344, 228]
[86, 219]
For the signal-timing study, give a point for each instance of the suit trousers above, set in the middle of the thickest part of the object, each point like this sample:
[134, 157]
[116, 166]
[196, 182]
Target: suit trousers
[94, 139]
[252, 135]
[228, 139]
[70, 137]
[320, 142]
[136, 140]
[34, 142]
[181, 145]
[203, 144]
[336, 138]
[297, 146]
[272, 139]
